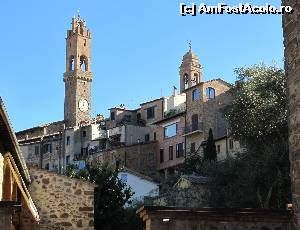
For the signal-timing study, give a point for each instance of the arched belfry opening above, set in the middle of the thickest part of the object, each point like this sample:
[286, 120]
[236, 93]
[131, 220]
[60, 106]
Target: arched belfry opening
[83, 63]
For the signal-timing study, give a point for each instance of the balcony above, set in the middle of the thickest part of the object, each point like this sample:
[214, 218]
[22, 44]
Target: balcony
[193, 129]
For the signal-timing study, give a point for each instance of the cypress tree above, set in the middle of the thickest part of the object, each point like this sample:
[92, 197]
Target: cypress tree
[210, 152]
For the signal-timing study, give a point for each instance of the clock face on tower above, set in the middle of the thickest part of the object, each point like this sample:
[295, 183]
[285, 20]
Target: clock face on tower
[83, 105]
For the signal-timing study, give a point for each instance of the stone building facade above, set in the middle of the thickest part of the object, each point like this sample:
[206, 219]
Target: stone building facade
[169, 133]
[292, 60]
[204, 103]
[140, 157]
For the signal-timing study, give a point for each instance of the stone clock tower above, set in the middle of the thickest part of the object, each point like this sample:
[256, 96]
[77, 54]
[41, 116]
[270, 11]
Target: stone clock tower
[78, 76]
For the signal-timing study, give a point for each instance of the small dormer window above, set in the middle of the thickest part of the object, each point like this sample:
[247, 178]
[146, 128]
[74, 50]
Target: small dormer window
[210, 93]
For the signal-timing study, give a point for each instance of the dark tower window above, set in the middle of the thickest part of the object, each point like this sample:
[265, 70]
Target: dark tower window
[83, 63]
[196, 78]
[186, 80]
[71, 68]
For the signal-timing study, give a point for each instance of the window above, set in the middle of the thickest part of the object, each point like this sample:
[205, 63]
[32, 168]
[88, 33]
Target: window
[154, 136]
[84, 42]
[112, 116]
[47, 166]
[124, 177]
[83, 133]
[196, 78]
[193, 147]
[37, 150]
[68, 140]
[179, 150]
[147, 137]
[230, 144]
[150, 112]
[195, 95]
[84, 151]
[67, 160]
[71, 67]
[49, 148]
[194, 122]
[83, 63]
[127, 118]
[186, 80]
[161, 155]
[170, 130]
[171, 152]
[210, 93]
[219, 148]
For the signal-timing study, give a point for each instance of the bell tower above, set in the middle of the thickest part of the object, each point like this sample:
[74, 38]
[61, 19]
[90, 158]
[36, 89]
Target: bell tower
[78, 76]
[190, 70]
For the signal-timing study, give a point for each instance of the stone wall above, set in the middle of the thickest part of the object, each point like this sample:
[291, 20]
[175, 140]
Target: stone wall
[164, 218]
[291, 32]
[63, 203]
[138, 157]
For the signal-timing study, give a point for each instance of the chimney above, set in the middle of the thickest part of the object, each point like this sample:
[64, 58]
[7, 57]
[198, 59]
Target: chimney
[174, 91]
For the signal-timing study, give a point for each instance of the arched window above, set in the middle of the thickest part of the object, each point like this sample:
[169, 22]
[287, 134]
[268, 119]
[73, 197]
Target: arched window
[195, 78]
[186, 80]
[210, 93]
[71, 64]
[195, 95]
[83, 63]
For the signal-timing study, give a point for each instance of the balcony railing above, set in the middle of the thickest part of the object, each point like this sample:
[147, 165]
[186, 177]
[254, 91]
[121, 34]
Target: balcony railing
[193, 128]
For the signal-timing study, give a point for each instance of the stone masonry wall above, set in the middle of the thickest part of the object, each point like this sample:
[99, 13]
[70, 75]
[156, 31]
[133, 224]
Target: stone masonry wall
[62, 202]
[138, 157]
[209, 111]
[291, 32]
[214, 219]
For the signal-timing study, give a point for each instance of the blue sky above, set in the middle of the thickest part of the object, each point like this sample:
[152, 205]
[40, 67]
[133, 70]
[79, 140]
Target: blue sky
[137, 48]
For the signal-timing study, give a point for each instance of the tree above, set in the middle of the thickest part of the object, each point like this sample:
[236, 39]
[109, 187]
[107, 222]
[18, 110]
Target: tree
[210, 152]
[258, 112]
[110, 196]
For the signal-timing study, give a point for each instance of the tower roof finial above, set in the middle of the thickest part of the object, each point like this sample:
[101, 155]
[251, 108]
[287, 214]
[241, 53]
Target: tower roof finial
[190, 45]
[78, 13]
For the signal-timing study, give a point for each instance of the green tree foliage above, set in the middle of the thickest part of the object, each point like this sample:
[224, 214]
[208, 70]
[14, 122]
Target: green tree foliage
[258, 112]
[110, 196]
[210, 152]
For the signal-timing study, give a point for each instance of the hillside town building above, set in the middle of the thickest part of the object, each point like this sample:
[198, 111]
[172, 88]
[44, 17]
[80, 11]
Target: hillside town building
[154, 138]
